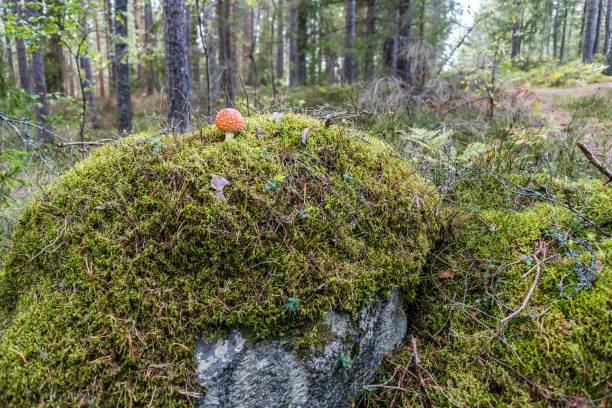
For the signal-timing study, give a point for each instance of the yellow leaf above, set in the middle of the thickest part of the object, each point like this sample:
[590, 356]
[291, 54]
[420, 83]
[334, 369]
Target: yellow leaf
[446, 274]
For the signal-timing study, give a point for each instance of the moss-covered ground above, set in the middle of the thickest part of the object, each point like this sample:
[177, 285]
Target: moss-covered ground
[125, 260]
[477, 346]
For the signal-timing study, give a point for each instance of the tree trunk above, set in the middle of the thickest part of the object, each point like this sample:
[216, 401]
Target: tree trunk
[189, 52]
[349, 42]
[280, 43]
[516, 25]
[293, 54]
[211, 47]
[179, 102]
[37, 74]
[9, 55]
[88, 84]
[607, 28]
[545, 38]
[148, 20]
[582, 24]
[122, 70]
[404, 45]
[99, 45]
[139, 69]
[225, 51]
[598, 26]
[556, 23]
[302, 41]
[110, 32]
[22, 60]
[249, 49]
[589, 32]
[563, 38]
[371, 46]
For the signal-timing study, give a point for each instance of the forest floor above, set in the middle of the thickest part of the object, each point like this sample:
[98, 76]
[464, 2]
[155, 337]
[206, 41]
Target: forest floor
[578, 110]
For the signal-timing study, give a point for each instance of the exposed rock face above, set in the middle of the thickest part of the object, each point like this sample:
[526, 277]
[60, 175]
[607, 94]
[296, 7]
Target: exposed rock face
[272, 374]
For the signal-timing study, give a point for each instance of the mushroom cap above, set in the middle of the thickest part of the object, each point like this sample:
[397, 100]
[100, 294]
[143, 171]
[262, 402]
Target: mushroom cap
[229, 120]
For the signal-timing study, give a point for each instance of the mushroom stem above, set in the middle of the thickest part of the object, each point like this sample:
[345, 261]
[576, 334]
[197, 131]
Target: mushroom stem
[229, 136]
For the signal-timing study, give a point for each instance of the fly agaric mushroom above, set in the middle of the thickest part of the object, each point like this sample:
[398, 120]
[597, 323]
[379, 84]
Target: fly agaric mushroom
[229, 121]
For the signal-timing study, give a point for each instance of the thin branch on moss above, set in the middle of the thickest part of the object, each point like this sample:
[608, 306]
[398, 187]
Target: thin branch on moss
[595, 161]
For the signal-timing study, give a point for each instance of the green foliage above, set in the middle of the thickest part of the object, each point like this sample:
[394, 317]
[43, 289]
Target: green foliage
[552, 74]
[125, 260]
[11, 164]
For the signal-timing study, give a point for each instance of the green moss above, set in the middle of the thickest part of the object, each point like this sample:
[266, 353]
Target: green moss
[128, 258]
[560, 355]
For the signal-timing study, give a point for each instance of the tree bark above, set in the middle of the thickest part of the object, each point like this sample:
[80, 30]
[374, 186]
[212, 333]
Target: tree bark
[280, 42]
[88, 84]
[148, 20]
[139, 68]
[349, 41]
[598, 26]
[188, 34]
[22, 60]
[179, 102]
[99, 45]
[122, 70]
[369, 68]
[589, 32]
[37, 74]
[563, 38]
[404, 43]
[293, 54]
[110, 44]
[516, 26]
[9, 55]
[302, 41]
[225, 51]
[556, 29]
[607, 28]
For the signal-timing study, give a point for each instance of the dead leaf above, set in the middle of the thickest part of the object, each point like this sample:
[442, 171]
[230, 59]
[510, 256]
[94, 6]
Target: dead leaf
[328, 122]
[305, 135]
[218, 183]
[275, 116]
[104, 207]
[446, 274]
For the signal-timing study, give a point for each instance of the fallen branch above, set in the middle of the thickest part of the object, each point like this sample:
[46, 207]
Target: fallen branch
[595, 161]
[96, 143]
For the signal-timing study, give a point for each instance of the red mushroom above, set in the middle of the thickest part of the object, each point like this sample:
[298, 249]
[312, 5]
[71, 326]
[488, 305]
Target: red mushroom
[229, 121]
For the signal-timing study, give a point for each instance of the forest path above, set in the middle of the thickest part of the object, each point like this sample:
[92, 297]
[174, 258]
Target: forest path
[595, 132]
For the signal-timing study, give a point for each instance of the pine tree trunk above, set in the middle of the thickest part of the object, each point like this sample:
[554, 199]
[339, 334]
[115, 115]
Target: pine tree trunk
[371, 38]
[110, 31]
[607, 28]
[280, 43]
[556, 30]
[293, 55]
[589, 32]
[148, 20]
[598, 26]
[249, 50]
[349, 42]
[37, 74]
[213, 68]
[88, 84]
[404, 49]
[582, 24]
[516, 25]
[99, 45]
[179, 102]
[9, 56]
[563, 38]
[302, 42]
[122, 69]
[188, 33]
[139, 69]
[225, 51]
[22, 60]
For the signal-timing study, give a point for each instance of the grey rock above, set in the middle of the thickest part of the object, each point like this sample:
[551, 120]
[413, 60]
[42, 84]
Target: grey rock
[270, 373]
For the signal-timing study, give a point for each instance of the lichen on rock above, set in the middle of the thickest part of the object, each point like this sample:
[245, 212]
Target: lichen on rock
[129, 257]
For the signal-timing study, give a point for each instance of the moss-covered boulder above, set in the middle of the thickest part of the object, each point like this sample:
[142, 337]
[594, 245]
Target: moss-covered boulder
[128, 258]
